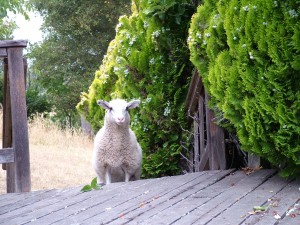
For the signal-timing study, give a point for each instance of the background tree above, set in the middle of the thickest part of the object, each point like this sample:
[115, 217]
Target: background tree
[77, 34]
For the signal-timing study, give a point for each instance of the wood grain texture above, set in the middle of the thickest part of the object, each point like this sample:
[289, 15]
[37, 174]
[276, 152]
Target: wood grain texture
[21, 165]
[207, 197]
[7, 155]
[13, 43]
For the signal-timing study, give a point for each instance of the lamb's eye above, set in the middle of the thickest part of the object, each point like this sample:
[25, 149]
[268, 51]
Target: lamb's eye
[110, 109]
[126, 109]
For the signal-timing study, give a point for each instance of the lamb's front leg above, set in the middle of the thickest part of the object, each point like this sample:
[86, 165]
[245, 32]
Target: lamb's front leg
[127, 176]
[100, 171]
[108, 175]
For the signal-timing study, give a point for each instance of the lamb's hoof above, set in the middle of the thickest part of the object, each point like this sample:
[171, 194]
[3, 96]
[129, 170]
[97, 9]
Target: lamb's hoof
[101, 184]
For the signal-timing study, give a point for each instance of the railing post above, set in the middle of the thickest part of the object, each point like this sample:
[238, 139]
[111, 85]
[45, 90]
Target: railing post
[21, 166]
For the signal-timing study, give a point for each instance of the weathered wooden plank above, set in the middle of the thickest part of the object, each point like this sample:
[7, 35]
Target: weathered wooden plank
[196, 145]
[114, 208]
[19, 120]
[195, 88]
[13, 43]
[256, 197]
[201, 110]
[204, 163]
[144, 204]
[14, 204]
[12, 198]
[38, 201]
[208, 197]
[96, 203]
[218, 204]
[7, 155]
[292, 216]
[61, 207]
[6, 118]
[7, 130]
[173, 205]
[215, 140]
[279, 204]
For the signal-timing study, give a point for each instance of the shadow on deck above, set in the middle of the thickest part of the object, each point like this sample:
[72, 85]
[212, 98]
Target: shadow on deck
[209, 197]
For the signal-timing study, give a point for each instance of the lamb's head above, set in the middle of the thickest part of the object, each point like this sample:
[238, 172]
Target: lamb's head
[117, 110]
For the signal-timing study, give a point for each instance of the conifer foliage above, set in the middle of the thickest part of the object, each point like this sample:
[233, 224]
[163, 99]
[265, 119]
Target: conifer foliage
[149, 60]
[248, 53]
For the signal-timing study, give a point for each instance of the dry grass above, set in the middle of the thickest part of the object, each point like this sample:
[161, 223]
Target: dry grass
[58, 158]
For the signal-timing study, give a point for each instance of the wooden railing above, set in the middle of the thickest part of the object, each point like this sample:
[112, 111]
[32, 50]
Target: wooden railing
[209, 142]
[14, 154]
[211, 149]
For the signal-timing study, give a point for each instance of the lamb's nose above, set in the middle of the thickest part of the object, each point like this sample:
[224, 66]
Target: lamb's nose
[121, 119]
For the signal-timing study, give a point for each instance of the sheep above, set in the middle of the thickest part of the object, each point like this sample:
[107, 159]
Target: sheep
[117, 156]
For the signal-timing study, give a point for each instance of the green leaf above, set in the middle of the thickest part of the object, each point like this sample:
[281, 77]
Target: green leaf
[260, 208]
[86, 188]
[94, 184]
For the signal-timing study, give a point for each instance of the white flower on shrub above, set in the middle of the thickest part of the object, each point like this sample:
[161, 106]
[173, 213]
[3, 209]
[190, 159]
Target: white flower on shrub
[155, 34]
[246, 8]
[132, 41]
[116, 69]
[128, 52]
[293, 13]
[148, 100]
[198, 35]
[167, 109]
[250, 55]
[119, 26]
[152, 61]
[126, 72]
[118, 59]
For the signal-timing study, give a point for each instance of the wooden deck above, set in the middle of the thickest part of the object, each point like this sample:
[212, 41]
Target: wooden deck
[210, 197]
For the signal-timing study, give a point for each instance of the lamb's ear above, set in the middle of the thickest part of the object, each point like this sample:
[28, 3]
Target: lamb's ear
[104, 104]
[133, 104]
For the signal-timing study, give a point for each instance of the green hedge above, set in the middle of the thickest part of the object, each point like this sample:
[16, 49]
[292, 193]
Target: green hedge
[248, 55]
[149, 60]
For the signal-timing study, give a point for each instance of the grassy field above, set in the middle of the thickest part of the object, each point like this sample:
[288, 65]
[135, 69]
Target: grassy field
[58, 158]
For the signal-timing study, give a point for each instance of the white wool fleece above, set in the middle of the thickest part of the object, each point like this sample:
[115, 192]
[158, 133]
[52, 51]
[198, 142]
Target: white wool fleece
[117, 155]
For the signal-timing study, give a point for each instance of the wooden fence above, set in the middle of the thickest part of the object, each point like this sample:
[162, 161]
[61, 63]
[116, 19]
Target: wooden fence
[209, 142]
[213, 147]
[14, 154]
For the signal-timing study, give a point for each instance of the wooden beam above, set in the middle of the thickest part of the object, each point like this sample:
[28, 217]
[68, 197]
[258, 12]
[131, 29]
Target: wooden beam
[204, 165]
[196, 144]
[7, 155]
[7, 125]
[195, 89]
[215, 140]
[204, 159]
[13, 43]
[19, 119]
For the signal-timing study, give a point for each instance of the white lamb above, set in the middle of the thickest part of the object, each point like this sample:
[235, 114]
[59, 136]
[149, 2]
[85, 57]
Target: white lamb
[117, 155]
